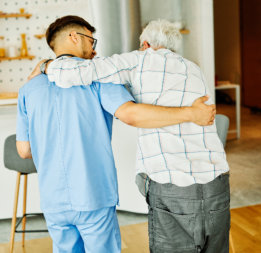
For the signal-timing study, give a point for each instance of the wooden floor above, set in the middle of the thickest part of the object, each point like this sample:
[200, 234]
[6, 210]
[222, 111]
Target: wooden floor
[245, 231]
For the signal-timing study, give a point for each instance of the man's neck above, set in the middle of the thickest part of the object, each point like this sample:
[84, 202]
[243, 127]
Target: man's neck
[68, 55]
[67, 52]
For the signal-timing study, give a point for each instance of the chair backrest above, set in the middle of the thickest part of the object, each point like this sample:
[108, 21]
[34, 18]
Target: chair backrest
[13, 161]
[222, 124]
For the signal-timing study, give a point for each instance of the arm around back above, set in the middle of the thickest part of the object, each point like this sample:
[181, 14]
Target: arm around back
[152, 116]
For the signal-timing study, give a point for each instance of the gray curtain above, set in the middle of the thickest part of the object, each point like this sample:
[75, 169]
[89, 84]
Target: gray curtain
[118, 25]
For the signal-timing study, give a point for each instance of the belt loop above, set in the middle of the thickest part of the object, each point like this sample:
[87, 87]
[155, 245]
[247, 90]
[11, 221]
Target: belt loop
[147, 183]
[147, 188]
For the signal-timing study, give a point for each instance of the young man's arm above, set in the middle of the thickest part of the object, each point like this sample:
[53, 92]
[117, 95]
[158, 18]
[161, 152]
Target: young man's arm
[151, 116]
[22, 136]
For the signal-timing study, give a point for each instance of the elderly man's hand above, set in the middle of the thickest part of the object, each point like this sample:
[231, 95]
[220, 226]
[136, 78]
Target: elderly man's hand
[36, 70]
[203, 115]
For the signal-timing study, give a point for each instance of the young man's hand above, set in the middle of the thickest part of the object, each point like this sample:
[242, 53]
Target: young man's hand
[36, 70]
[203, 115]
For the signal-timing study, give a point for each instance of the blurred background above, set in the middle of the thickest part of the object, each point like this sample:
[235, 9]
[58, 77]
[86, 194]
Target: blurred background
[222, 37]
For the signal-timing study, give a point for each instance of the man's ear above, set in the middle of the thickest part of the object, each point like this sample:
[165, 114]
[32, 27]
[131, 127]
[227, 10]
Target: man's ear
[146, 44]
[74, 37]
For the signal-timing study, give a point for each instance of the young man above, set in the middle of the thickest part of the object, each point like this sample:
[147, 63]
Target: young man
[185, 165]
[68, 134]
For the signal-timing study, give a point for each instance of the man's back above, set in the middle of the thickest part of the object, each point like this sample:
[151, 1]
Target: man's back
[182, 154]
[70, 134]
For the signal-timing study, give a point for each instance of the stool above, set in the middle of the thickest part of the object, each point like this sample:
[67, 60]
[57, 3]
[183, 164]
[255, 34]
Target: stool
[23, 167]
[222, 124]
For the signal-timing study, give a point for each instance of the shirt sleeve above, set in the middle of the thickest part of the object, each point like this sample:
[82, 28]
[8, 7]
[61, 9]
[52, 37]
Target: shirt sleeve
[118, 69]
[112, 96]
[22, 124]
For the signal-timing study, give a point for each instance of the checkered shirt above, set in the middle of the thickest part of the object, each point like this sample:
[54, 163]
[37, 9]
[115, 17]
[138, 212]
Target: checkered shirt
[181, 154]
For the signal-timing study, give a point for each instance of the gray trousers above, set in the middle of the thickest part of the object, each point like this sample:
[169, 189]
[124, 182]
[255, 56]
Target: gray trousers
[189, 219]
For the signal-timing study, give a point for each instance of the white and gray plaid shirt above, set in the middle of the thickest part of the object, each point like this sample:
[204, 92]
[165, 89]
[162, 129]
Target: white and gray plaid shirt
[181, 154]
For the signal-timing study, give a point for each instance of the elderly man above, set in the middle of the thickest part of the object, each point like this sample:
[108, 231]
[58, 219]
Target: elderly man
[68, 134]
[183, 167]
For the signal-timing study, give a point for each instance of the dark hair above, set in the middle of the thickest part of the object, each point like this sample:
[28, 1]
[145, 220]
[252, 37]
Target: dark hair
[64, 22]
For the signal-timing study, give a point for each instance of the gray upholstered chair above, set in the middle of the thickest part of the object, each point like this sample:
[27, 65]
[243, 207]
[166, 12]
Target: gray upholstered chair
[23, 167]
[222, 123]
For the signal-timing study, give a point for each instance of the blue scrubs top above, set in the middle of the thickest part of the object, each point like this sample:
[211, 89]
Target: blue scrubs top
[70, 136]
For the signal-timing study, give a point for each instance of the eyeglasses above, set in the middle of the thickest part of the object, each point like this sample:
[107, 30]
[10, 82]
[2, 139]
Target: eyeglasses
[94, 40]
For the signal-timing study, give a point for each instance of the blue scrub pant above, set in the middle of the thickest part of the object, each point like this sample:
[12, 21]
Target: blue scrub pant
[89, 231]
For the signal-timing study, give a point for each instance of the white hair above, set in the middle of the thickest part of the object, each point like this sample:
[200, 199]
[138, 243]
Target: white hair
[161, 33]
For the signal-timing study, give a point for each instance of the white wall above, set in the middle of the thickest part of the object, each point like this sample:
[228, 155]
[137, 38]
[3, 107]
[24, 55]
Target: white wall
[118, 25]
[155, 9]
[198, 46]
[108, 30]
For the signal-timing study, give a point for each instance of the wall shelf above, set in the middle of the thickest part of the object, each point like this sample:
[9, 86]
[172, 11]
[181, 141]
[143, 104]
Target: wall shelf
[39, 36]
[15, 15]
[8, 95]
[28, 57]
[8, 98]
[184, 31]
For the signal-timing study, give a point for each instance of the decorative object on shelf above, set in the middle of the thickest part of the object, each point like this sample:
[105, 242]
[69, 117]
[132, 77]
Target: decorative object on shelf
[28, 57]
[12, 51]
[181, 26]
[39, 36]
[24, 51]
[2, 47]
[184, 31]
[21, 14]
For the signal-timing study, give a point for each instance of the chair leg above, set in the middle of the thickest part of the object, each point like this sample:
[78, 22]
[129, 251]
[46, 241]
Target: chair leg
[231, 242]
[24, 208]
[15, 212]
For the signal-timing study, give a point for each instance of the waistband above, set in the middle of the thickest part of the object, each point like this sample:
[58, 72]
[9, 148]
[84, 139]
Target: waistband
[196, 191]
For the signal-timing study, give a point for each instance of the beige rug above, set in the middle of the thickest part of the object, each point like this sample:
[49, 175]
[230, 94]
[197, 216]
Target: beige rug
[244, 157]
[245, 163]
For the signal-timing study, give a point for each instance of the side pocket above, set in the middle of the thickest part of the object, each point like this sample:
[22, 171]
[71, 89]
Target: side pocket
[147, 190]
